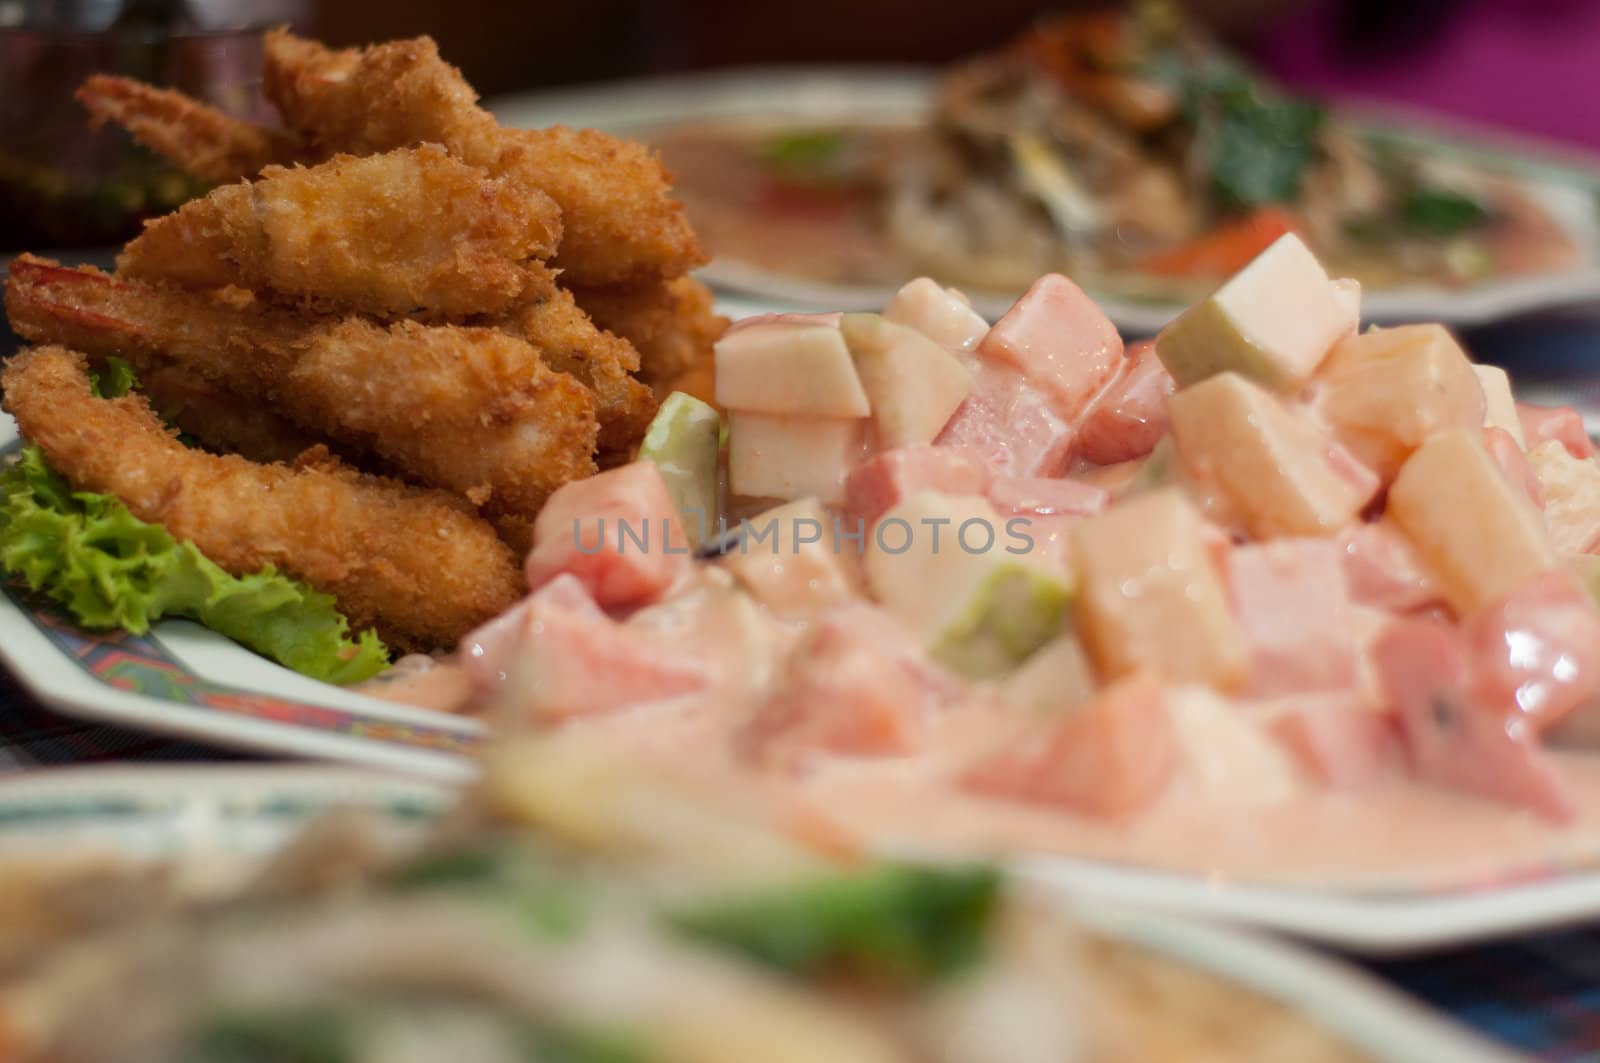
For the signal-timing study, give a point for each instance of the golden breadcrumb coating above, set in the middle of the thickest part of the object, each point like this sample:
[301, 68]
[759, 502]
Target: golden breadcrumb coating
[672, 324]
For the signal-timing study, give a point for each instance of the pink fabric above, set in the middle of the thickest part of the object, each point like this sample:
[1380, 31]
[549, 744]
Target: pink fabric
[1527, 65]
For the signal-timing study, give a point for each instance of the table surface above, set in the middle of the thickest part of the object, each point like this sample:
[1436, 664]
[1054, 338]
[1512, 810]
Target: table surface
[1539, 995]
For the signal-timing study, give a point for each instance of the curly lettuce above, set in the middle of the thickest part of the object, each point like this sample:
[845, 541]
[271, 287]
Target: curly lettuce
[112, 570]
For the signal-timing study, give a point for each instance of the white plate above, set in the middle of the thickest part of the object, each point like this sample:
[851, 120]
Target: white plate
[1566, 183]
[210, 817]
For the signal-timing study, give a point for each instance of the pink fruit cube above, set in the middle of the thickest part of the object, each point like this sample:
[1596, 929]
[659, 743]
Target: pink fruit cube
[1046, 496]
[1130, 416]
[1290, 599]
[1010, 425]
[884, 480]
[1340, 742]
[1543, 423]
[1061, 341]
[1536, 652]
[1382, 569]
[618, 533]
[1109, 758]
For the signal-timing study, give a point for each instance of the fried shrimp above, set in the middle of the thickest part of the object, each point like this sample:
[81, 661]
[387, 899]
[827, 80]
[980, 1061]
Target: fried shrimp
[670, 323]
[221, 420]
[415, 564]
[411, 231]
[472, 410]
[621, 224]
[199, 140]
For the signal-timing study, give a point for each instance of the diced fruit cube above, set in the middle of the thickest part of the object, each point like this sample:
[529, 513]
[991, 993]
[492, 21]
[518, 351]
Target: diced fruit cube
[1514, 464]
[1451, 739]
[1130, 416]
[1479, 535]
[1111, 757]
[566, 658]
[1383, 570]
[1149, 594]
[1044, 496]
[1010, 425]
[802, 368]
[952, 571]
[619, 533]
[887, 479]
[1057, 678]
[1289, 596]
[1536, 652]
[1541, 423]
[1571, 490]
[683, 441]
[1340, 744]
[1061, 341]
[1500, 408]
[1230, 755]
[941, 314]
[1274, 467]
[1273, 322]
[859, 687]
[799, 564]
[912, 383]
[1384, 391]
[792, 457]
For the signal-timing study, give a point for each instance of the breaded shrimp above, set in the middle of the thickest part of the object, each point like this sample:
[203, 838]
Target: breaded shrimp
[415, 564]
[566, 338]
[621, 224]
[219, 419]
[196, 138]
[411, 231]
[472, 410]
[672, 324]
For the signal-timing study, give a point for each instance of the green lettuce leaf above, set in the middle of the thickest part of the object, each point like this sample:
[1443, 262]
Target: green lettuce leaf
[112, 570]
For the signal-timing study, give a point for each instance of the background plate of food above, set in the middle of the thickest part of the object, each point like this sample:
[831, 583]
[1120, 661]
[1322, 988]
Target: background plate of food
[1121, 150]
[284, 884]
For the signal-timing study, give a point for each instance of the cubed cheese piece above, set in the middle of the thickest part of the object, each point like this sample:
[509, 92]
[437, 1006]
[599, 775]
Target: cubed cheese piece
[619, 533]
[1540, 423]
[1149, 594]
[1273, 322]
[1044, 496]
[1109, 758]
[1290, 598]
[1386, 390]
[792, 457]
[1130, 416]
[1061, 341]
[792, 561]
[786, 367]
[1010, 425]
[941, 314]
[1230, 755]
[1571, 497]
[683, 441]
[914, 385]
[1274, 467]
[1480, 535]
[953, 571]
[1500, 408]
[884, 480]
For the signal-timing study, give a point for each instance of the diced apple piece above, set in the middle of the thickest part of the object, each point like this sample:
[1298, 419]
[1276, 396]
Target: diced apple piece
[1571, 488]
[1130, 416]
[1500, 408]
[799, 565]
[1110, 758]
[1347, 293]
[1273, 322]
[1230, 755]
[1384, 571]
[1541, 423]
[1149, 594]
[1289, 596]
[801, 368]
[1010, 425]
[1057, 678]
[886, 479]
[1386, 390]
[683, 441]
[792, 457]
[1045, 496]
[619, 533]
[1339, 744]
[1479, 535]
[941, 314]
[913, 385]
[1536, 652]
[948, 568]
[1061, 341]
[1273, 466]
[1452, 740]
